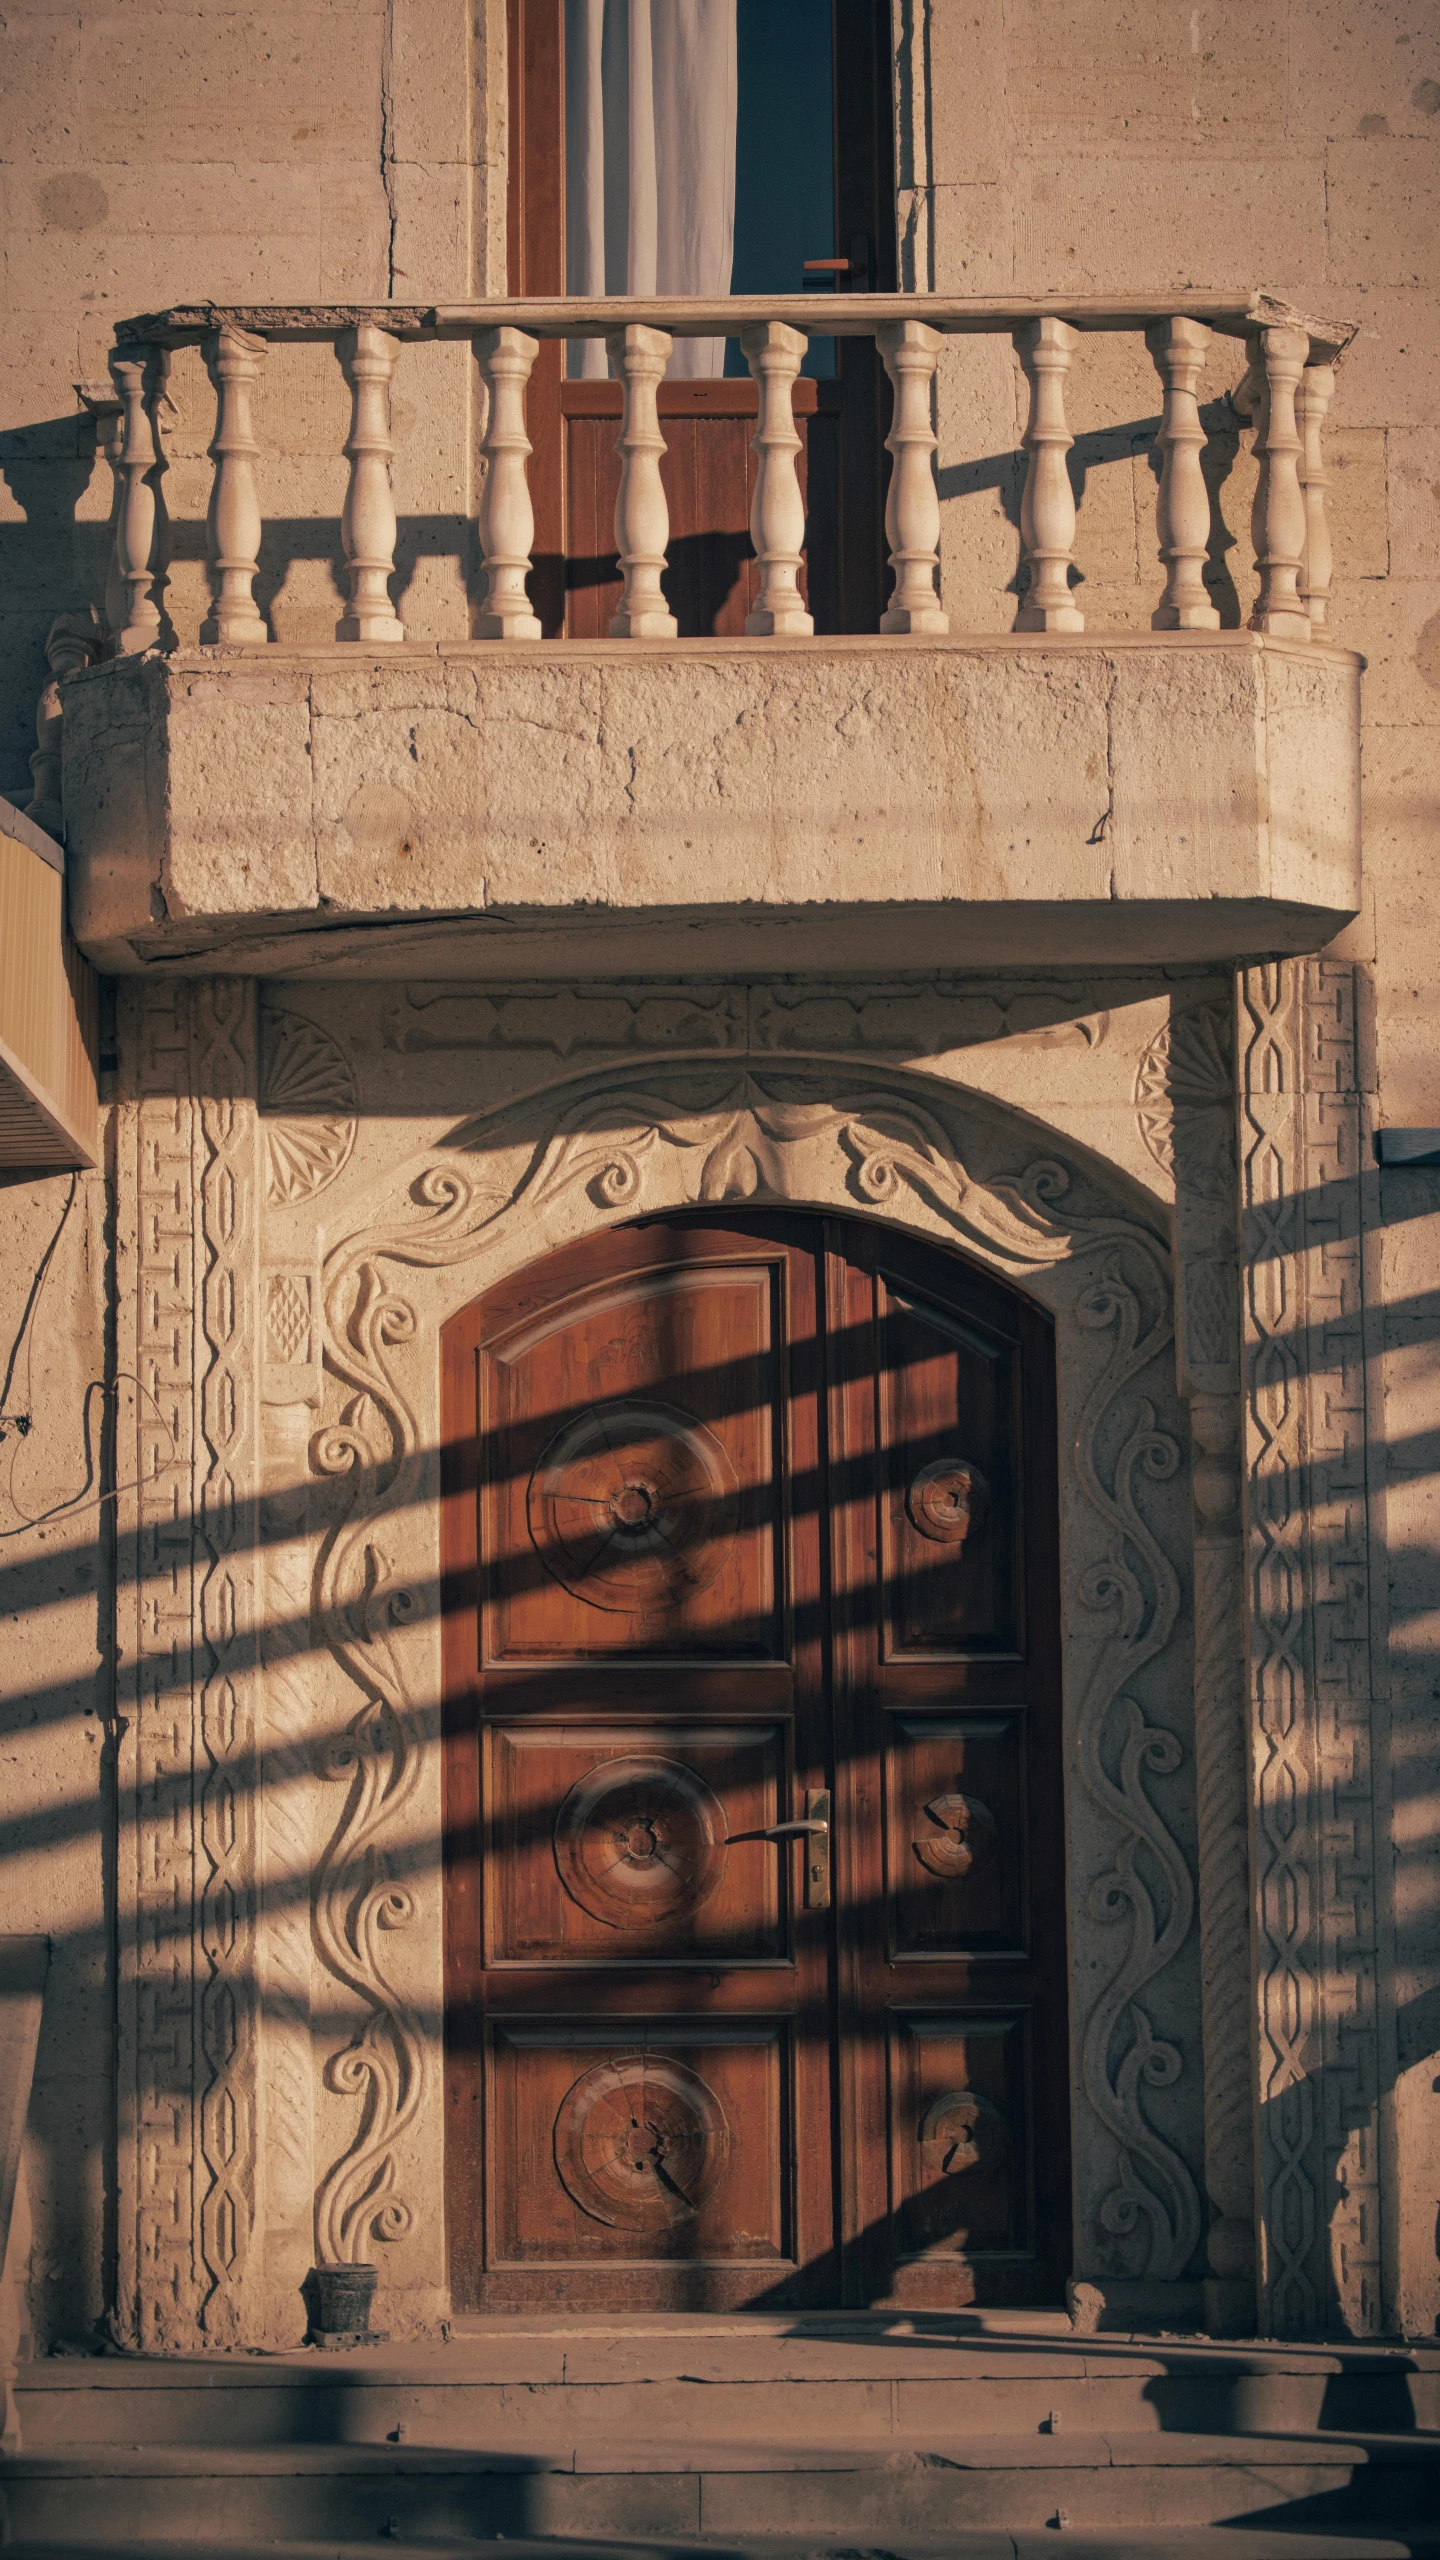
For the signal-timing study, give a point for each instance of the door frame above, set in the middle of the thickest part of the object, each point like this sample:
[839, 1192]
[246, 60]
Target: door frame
[859, 2250]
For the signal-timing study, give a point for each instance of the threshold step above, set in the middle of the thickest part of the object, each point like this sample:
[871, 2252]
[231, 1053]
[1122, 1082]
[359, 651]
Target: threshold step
[350, 2494]
[1421, 2542]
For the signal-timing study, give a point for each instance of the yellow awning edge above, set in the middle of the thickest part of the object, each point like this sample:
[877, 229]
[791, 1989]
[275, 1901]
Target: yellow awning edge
[49, 1008]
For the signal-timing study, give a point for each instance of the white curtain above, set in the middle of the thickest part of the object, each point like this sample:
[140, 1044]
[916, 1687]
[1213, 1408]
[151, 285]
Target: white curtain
[650, 158]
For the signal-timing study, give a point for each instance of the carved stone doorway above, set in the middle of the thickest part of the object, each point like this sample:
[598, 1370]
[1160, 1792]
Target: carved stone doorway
[755, 1942]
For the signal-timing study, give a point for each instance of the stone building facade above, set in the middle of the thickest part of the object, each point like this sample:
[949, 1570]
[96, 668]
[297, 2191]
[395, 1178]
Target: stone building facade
[1103, 1007]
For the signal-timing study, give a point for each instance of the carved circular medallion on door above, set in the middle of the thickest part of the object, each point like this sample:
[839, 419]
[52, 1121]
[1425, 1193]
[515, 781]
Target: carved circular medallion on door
[948, 1501]
[641, 2143]
[958, 2132]
[640, 1841]
[956, 1835]
[633, 1506]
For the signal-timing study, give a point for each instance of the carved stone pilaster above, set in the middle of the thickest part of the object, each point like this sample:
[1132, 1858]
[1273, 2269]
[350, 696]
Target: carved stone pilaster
[290, 1391]
[1185, 1093]
[1311, 1672]
[187, 1469]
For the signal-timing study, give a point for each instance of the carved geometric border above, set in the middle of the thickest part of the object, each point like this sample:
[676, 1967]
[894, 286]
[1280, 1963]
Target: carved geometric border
[1312, 1655]
[188, 1561]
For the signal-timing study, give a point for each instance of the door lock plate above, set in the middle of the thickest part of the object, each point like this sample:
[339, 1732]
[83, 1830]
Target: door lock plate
[817, 1850]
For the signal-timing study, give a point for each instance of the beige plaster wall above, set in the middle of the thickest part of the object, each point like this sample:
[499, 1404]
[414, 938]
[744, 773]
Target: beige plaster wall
[56, 1760]
[1079, 145]
[156, 151]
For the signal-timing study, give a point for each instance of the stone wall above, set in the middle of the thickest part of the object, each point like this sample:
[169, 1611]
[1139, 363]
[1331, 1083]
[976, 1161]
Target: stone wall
[57, 1730]
[165, 150]
[1071, 144]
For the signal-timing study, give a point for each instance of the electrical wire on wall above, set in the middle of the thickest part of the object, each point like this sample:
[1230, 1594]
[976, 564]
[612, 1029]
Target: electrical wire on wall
[17, 1407]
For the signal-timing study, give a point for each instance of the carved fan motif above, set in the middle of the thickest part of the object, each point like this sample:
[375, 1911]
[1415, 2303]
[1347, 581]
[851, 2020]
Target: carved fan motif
[641, 2143]
[960, 1836]
[640, 1840]
[633, 1506]
[1187, 1065]
[308, 1104]
[958, 2132]
[948, 1501]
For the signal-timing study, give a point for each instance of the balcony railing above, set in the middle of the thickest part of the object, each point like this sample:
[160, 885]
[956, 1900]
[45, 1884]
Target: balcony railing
[1288, 386]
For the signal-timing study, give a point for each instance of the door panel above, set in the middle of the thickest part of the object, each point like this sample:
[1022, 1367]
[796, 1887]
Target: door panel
[951, 1525]
[639, 1844]
[747, 1517]
[960, 2156]
[957, 1871]
[667, 2149]
[708, 474]
[631, 1506]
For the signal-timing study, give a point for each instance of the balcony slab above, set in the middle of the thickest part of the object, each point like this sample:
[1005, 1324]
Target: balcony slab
[581, 807]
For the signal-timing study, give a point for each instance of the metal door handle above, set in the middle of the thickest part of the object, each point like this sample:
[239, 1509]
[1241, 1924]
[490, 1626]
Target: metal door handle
[816, 1828]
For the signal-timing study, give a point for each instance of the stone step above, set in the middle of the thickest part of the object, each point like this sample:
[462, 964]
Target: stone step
[891, 2486]
[1415, 2542]
[511, 2385]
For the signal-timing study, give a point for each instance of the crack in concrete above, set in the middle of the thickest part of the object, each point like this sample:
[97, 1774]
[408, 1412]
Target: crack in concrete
[1099, 833]
[387, 157]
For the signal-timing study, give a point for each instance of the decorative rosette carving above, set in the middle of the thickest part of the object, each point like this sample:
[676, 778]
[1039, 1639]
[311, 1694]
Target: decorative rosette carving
[633, 1506]
[640, 1841]
[958, 2132]
[949, 1501]
[959, 1835]
[641, 2143]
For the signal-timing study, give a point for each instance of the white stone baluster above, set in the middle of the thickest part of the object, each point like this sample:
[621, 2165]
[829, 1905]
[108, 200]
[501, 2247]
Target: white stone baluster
[642, 518]
[140, 375]
[107, 411]
[507, 518]
[775, 354]
[1183, 508]
[1317, 390]
[73, 641]
[236, 362]
[910, 353]
[367, 527]
[1278, 517]
[1047, 508]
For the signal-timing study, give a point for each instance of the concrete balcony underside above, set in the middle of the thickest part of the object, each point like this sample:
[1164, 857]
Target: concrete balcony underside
[485, 809]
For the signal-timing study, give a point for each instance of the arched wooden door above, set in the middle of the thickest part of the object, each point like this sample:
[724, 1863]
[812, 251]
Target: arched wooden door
[750, 1525]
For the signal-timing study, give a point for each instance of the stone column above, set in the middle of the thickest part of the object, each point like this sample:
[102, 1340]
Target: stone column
[1312, 1703]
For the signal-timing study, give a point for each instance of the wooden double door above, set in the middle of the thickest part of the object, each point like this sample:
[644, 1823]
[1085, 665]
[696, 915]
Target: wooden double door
[754, 1889]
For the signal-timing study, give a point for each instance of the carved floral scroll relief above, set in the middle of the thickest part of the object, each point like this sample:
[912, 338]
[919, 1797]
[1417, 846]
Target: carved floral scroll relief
[494, 1198]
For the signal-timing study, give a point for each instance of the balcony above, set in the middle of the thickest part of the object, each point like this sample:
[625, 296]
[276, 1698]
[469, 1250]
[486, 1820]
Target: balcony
[507, 804]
